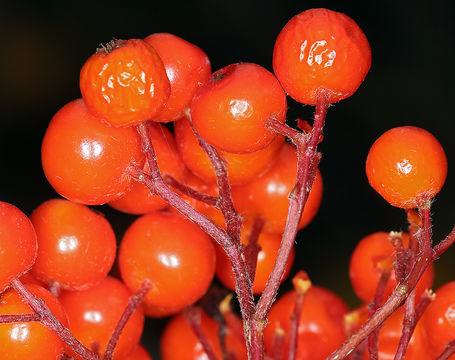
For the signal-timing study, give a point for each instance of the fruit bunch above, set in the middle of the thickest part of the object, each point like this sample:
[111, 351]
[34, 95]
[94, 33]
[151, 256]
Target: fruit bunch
[220, 185]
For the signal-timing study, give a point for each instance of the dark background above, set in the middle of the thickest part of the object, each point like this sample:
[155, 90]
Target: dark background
[44, 44]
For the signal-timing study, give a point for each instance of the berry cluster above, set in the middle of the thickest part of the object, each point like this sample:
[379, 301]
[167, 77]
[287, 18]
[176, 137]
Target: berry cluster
[202, 159]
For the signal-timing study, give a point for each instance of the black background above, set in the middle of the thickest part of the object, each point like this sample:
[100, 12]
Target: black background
[44, 44]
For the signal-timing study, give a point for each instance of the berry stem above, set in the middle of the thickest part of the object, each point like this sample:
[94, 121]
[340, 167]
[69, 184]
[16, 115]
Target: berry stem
[48, 319]
[182, 188]
[448, 351]
[444, 244]
[135, 300]
[192, 316]
[4, 319]
[157, 185]
[401, 292]
[252, 249]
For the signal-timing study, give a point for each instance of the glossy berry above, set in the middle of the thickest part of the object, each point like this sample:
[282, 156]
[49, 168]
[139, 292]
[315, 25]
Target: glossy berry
[439, 318]
[389, 337]
[18, 244]
[138, 199]
[138, 354]
[269, 244]
[187, 67]
[30, 340]
[241, 168]
[178, 341]
[231, 109]
[172, 253]
[125, 82]
[372, 254]
[93, 315]
[267, 196]
[406, 164]
[321, 326]
[320, 49]
[86, 160]
[76, 246]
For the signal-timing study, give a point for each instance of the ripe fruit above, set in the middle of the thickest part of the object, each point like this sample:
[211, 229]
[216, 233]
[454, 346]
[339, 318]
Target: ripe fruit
[179, 342]
[125, 82]
[138, 354]
[173, 253]
[93, 315]
[231, 109]
[370, 255]
[138, 199]
[321, 325]
[267, 196]
[439, 318]
[187, 67]
[270, 244]
[29, 340]
[86, 160]
[241, 168]
[406, 164]
[18, 244]
[320, 49]
[76, 246]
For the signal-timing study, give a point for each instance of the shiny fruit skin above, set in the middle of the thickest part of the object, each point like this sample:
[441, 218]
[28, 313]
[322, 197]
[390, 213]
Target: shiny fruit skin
[30, 340]
[76, 246]
[439, 318]
[187, 67]
[125, 85]
[178, 341]
[320, 49]
[138, 354]
[18, 244]
[321, 326]
[230, 110]
[270, 244]
[86, 160]
[172, 253]
[94, 313]
[406, 164]
[365, 270]
[138, 199]
[241, 168]
[267, 196]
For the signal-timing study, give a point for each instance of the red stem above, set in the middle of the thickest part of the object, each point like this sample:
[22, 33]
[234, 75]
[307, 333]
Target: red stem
[193, 317]
[182, 188]
[135, 300]
[4, 319]
[448, 351]
[49, 320]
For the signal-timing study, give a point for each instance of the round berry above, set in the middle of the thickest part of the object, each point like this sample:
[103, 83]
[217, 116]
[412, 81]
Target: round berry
[320, 49]
[125, 82]
[18, 244]
[173, 253]
[406, 164]
[187, 67]
[230, 110]
[76, 246]
[86, 160]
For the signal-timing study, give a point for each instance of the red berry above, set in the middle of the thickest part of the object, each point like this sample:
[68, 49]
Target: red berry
[86, 160]
[172, 253]
[93, 315]
[125, 82]
[138, 354]
[18, 244]
[76, 246]
[179, 342]
[406, 164]
[241, 168]
[267, 196]
[321, 325]
[231, 109]
[371, 255]
[187, 67]
[30, 340]
[320, 49]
